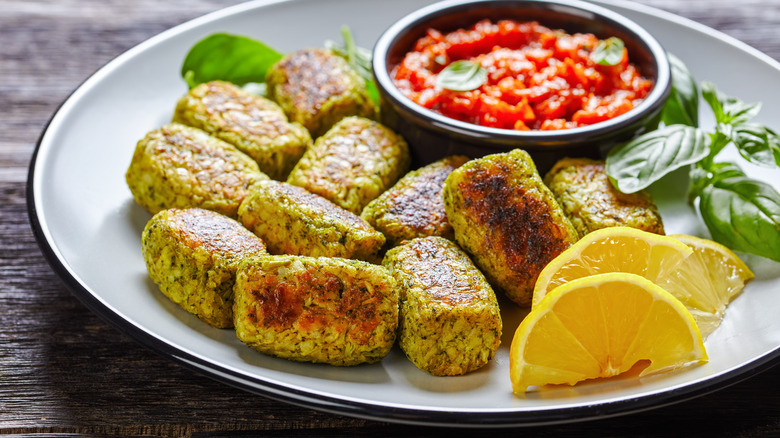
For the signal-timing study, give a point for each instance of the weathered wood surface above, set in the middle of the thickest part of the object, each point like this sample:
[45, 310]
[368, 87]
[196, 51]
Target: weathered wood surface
[65, 371]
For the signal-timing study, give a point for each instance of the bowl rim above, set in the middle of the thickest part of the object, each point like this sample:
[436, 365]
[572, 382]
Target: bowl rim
[420, 115]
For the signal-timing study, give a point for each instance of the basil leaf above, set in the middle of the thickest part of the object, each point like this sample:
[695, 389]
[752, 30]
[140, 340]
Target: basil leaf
[462, 75]
[358, 58]
[719, 139]
[635, 165]
[608, 51]
[701, 177]
[743, 214]
[232, 58]
[722, 171]
[682, 106]
[729, 110]
[757, 144]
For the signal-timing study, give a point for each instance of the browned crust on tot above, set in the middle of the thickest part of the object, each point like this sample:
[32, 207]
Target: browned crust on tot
[317, 88]
[202, 228]
[583, 189]
[290, 220]
[192, 255]
[413, 207]
[507, 219]
[331, 310]
[255, 125]
[178, 166]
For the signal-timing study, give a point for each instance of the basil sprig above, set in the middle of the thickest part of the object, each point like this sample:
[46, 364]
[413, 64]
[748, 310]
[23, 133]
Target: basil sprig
[682, 106]
[233, 58]
[608, 51]
[757, 144]
[739, 212]
[462, 75]
[635, 165]
[728, 110]
[358, 58]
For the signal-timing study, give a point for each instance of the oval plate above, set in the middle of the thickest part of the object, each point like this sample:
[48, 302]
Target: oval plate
[89, 228]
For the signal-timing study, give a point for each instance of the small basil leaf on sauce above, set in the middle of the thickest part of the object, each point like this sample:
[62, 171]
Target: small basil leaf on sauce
[682, 106]
[462, 75]
[757, 144]
[608, 51]
[728, 109]
[233, 58]
[357, 57]
[743, 214]
[635, 165]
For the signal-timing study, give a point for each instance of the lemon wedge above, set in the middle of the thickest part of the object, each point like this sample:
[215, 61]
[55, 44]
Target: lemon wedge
[707, 281]
[614, 249]
[704, 275]
[601, 326]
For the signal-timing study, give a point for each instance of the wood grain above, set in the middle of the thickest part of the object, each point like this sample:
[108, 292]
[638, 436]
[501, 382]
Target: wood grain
[64, 371]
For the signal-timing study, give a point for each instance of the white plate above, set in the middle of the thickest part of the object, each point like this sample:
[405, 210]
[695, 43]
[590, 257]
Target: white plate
[89, 228]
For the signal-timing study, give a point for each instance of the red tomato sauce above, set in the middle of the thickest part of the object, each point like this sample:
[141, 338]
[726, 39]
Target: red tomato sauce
[537, 78]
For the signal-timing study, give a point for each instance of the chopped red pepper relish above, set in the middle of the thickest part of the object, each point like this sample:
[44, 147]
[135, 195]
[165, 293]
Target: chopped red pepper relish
[537, 78]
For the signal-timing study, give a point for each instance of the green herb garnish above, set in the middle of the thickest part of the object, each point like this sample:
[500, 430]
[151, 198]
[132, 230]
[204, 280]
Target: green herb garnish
[741, 213]
[358, 58]
[462, 75]
[682, 106]
[608, 51]
[233, 58]
[637, 164]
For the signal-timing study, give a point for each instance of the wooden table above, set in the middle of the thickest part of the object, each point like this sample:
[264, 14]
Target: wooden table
[65, 371]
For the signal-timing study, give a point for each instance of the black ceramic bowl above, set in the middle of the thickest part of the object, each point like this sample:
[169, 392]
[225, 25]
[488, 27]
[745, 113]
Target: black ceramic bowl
[432, 135]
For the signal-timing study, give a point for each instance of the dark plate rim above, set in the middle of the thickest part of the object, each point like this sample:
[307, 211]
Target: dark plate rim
[378, 411]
